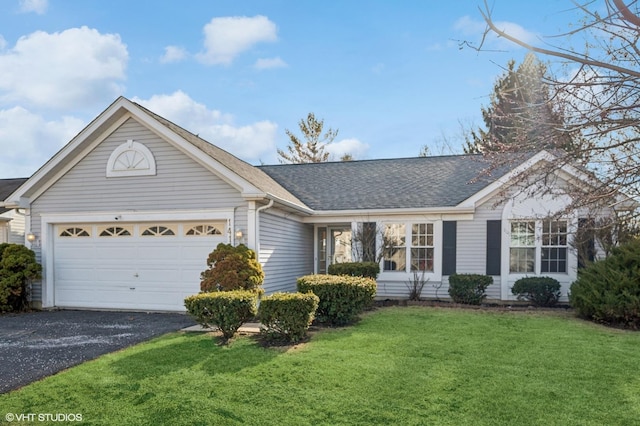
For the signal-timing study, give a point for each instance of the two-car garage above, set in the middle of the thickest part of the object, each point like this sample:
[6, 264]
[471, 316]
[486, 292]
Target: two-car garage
[138, 266]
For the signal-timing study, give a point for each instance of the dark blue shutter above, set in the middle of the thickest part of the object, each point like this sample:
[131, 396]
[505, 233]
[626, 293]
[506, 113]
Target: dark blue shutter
[494, 246]
[448, 247]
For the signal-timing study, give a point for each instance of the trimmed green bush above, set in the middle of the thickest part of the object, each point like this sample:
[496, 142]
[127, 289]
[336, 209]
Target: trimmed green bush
[469, 288]
[541, 291]
[227, 310]
[232, 268]
[608, 290]
[287, 316]
[355, 269]
[342, 297]
[18, 266]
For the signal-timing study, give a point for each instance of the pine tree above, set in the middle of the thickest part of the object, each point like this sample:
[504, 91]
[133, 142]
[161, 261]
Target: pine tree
[313, 149]
[522, 115]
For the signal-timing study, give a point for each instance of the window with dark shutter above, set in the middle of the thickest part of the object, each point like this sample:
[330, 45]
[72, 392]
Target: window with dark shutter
[494, 246]
[449, 247]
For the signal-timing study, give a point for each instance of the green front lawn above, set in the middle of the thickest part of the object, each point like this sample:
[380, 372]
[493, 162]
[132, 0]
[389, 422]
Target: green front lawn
[416, 365]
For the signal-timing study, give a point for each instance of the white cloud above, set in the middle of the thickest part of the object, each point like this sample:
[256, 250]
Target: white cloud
[37, 6]
[470, 27]
[270, 63]
[250, 142]
[227, 37]
[74, 68]
[350, 146]
[3, 43]
[173, 54]
[27, 140]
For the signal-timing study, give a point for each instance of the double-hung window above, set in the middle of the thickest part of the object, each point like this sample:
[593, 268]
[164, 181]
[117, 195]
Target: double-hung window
[395, 247]
[522, 253]
[422, 247]
[554, 246]
[408, 246]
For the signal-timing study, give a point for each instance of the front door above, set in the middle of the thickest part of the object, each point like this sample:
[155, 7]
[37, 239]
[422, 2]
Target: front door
[334, 246]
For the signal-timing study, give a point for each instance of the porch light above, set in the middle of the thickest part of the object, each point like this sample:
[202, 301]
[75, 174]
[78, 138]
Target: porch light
[31, 237]
[239, 234]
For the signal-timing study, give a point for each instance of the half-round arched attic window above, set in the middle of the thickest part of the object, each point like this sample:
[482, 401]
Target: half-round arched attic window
[131, 159]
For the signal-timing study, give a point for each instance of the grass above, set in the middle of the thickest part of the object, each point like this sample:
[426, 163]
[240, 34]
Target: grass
[408, 366]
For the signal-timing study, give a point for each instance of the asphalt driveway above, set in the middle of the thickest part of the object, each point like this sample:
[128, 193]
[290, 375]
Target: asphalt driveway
[38, 344]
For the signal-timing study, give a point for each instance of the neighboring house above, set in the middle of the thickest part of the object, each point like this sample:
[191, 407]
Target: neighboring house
[12, 221]
[126, 213]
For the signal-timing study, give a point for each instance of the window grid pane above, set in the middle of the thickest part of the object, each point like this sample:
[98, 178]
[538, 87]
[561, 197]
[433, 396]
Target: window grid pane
[522, 253]
[395, 256]
[422, 247]
[422, 259]
[554, 246]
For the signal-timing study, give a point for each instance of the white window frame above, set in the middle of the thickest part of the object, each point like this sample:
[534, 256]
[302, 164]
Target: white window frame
[145, 163]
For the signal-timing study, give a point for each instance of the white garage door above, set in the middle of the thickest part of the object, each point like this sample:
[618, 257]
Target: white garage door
[135, 266]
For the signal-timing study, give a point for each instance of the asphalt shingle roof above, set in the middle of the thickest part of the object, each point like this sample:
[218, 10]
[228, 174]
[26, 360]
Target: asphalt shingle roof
[421, 182]
[7, 186]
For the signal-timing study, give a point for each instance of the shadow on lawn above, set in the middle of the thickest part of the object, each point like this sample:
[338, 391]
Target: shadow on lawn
[191, 351]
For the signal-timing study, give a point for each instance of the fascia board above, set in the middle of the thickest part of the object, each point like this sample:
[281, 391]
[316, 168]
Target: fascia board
[36, 180]
[489, 190]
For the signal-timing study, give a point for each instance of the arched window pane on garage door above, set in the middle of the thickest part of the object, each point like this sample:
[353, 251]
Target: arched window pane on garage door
[157, 231]
[197, 230]
[75, 232]
[115, 231]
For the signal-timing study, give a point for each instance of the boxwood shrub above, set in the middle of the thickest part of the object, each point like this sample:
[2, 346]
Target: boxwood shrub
[227, 310]
[469, 288]
[541, 291]
[287, 316]
[355, 269]
[342, 297]
[18, 267]
[608, 290]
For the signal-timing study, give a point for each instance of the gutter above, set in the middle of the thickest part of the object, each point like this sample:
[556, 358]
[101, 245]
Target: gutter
[258, 210]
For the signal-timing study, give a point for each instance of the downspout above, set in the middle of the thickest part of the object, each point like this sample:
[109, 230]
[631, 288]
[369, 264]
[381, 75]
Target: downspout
[258, 210]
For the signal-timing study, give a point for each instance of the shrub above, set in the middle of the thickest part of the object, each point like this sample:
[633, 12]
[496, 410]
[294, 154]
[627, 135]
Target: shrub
[342, 297]
[17, 267]
[355, 269]
[287, 316]
[608, 290]
[227, 310]
[541, 291]
[232, 268]
[469, 288]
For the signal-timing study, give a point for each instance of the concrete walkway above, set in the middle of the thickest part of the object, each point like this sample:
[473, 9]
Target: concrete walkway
[250, 327]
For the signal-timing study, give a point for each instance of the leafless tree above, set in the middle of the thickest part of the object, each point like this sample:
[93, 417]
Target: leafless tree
[600, 91]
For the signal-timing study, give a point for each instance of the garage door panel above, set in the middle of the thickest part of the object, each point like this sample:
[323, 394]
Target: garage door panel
[121, 251]
[129, 272]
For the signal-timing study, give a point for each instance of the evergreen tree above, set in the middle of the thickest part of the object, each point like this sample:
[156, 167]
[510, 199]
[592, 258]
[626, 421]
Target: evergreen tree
[312, 150]
[522, 115]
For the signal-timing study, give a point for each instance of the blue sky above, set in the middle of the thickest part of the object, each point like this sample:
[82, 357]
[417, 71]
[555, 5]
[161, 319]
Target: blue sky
[389, 75]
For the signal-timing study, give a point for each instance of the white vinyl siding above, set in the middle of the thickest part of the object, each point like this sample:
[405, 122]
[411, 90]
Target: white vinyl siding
[472, 246]
[286, 250]
[12, 231]
[180, 184]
